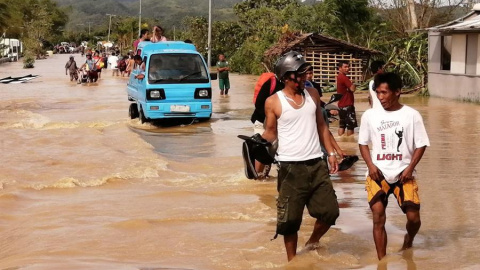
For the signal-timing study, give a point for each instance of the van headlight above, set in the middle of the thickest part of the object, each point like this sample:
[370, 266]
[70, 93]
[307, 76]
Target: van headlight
[155, 94]
[203, 93]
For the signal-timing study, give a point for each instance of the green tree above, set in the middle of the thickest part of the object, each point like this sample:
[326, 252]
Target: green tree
[246, 6]
[345, 17]
[4, 16]
[227, 38]
[39, 23]
[124, 31]
[196, 29]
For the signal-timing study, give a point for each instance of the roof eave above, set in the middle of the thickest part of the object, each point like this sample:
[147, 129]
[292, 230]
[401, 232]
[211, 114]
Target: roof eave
[348, 45]
[459, 20]
[458, 31]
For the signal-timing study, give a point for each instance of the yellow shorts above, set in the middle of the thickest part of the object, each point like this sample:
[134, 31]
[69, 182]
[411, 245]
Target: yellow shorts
[406, 193]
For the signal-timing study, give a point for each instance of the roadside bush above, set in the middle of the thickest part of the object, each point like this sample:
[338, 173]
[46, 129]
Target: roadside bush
[28, 60]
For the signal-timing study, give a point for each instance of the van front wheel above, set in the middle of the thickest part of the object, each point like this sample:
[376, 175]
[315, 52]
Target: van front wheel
[133, 111]
[141, 115]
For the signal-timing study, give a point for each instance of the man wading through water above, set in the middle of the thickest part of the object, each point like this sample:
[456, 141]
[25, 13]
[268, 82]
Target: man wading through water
[398, 140]
[294, 117]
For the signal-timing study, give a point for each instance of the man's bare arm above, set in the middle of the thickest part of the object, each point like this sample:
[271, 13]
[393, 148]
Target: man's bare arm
[324, 132]
[373, 171]
[336, 146]
[270, 133]
[416, 157]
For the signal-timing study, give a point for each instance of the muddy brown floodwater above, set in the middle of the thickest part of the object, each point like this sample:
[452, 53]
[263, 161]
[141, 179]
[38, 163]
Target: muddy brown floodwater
[84, 187]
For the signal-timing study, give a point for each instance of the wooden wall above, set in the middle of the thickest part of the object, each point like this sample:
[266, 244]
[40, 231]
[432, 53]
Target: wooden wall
[325, 66]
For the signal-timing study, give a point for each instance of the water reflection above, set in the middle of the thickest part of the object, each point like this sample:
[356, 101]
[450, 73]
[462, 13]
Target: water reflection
[406, 262]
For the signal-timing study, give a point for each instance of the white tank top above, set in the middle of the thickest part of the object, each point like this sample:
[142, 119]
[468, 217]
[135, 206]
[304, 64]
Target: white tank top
[298, 138]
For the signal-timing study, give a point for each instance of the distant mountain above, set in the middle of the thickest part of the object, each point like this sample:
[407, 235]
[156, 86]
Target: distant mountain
[168, 12]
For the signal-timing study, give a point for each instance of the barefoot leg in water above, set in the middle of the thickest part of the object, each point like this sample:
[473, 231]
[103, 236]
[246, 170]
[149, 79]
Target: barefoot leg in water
[379, 233]
[413, 225]
[290, 242]
[319, 229]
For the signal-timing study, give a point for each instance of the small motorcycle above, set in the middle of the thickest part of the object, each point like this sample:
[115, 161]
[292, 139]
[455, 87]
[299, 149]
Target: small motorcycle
[332, 110]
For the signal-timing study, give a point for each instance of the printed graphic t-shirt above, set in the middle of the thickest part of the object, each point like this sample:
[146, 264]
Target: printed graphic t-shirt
[222, 74]
[394, 136]
[343, 84]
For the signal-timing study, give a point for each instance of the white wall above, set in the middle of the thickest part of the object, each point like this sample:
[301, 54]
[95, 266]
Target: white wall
[472, 48]
[459, 47]
[478, 55]
[434, 51]
[454, 86]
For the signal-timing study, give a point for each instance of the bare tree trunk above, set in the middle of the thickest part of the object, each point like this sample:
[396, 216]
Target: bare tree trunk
[412, 14]
[346, 33]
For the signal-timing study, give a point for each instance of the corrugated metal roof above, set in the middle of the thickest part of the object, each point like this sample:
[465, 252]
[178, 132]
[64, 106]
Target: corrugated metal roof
[467, 23]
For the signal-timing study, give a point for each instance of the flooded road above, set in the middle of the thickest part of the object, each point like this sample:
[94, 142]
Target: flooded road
[84, 187]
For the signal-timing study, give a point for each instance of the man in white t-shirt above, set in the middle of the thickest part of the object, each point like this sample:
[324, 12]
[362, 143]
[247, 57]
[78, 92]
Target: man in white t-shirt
[377, 68]
[399, 139]
[112, 62]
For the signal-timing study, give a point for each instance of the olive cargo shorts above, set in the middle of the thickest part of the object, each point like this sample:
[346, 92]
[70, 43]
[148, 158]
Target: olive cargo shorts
[303, 184]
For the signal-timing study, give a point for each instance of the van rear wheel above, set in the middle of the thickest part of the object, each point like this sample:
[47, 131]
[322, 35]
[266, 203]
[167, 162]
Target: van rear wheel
[133, 111]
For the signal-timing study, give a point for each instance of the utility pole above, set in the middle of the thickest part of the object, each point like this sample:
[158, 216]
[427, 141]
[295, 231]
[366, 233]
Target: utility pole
[89, 24]
[109, 25]
[140, 19]
[209, 42]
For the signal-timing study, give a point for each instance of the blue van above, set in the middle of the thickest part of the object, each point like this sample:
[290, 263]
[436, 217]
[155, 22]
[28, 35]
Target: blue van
[177, 83]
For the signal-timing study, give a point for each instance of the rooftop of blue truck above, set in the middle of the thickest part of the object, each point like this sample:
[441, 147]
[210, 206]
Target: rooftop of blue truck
[148, 47]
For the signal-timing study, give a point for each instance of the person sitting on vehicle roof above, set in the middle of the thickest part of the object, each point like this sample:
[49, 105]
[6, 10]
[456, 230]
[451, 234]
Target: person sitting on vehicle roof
[143, 37]
[157, 35]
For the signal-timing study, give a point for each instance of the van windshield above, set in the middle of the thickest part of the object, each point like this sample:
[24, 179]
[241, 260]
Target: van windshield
[177, 68]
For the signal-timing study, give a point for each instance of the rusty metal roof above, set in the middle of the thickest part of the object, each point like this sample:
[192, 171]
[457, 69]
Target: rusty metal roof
[315, 40]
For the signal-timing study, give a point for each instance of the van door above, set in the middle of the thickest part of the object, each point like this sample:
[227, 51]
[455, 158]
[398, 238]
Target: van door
[132, 87]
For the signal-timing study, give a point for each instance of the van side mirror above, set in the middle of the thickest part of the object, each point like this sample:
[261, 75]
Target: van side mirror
[213, 76]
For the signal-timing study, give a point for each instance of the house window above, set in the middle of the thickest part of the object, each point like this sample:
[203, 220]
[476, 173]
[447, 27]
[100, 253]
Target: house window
[446, 53]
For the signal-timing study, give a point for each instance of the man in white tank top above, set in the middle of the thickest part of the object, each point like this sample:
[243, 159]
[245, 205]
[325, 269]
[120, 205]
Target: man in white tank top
[294, 117]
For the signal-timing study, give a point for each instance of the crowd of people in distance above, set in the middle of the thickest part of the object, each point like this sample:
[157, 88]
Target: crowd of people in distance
[120, 65]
